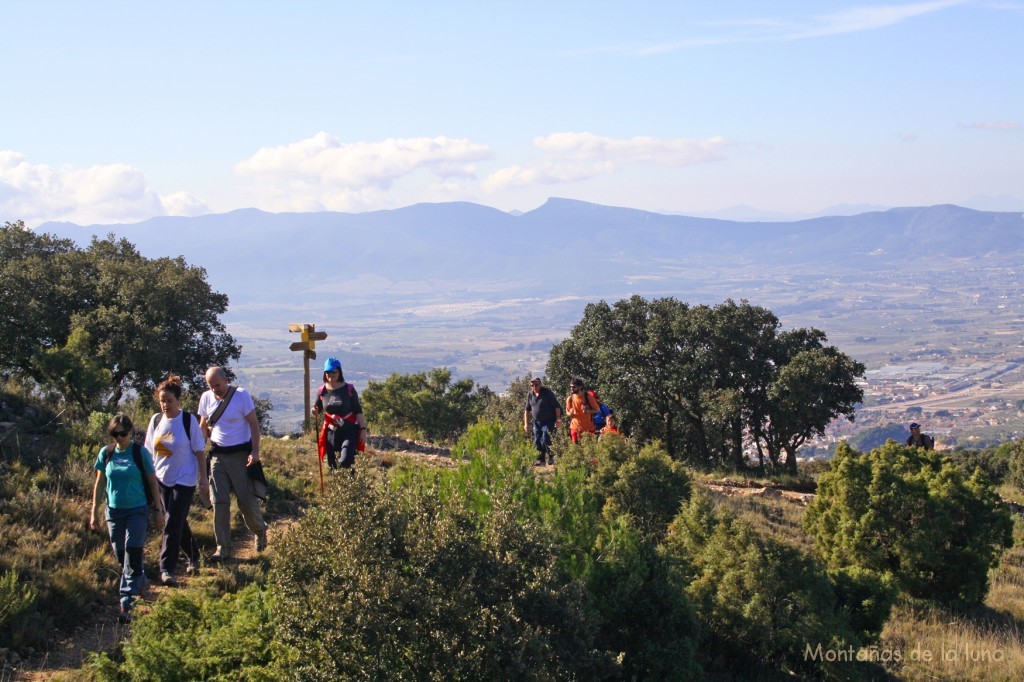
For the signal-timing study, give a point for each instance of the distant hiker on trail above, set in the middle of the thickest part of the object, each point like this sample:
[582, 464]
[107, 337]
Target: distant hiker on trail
[124, 471]
[227, 416]
[176, 440]
[611, 426]
[581, 407]
[344, 429]
[542, 404]
[920, 439]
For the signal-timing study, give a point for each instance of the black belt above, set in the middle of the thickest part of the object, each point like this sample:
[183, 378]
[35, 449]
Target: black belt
[230, 449]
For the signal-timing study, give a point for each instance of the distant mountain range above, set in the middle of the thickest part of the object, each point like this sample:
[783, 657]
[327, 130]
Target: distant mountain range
[451, 251]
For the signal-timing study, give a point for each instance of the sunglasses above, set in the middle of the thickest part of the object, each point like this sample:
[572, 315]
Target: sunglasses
[119, 434]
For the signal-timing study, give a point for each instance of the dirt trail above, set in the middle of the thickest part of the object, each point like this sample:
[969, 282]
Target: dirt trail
[748, 488]
[104, 633]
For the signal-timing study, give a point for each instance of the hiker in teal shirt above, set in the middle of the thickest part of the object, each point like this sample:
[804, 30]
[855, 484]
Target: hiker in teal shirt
[124, 470]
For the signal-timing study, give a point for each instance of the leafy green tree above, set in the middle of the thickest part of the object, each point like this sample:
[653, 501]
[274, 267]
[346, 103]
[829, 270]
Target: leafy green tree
[809, 385]
[911, 514]
[40, 287]
[426, 404]
[71, 315]
[705, 379]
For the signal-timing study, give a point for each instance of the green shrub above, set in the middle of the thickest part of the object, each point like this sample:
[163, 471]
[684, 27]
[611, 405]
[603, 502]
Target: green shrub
[426, 404]
[910, 513]
[17, 605]
[389, 582]
[191, 636]
[760, 602]
[1015, 462]
[649, 490]
[645, 613]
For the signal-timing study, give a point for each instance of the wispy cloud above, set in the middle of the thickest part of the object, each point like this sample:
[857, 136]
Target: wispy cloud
[109, 193]
[776, 29]
[569, 157]
[999, 126]
[321, 172]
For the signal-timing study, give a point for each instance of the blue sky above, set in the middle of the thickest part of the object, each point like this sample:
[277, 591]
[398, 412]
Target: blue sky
[119, 111]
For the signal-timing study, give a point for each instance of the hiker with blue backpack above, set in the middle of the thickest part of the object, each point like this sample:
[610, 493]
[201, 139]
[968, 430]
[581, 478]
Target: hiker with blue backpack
[176, 440]
[125, 473]
[344, 430]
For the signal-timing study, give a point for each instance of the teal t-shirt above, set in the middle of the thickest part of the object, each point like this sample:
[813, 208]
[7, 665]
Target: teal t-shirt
[124, 484]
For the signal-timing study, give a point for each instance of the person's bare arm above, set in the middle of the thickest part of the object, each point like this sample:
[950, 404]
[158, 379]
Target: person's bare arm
[254, 433]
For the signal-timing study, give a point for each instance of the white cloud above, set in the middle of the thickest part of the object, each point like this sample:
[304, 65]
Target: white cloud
[569, 157]
[183, 204]
[323, 172]
[991, 125]
[110, 193]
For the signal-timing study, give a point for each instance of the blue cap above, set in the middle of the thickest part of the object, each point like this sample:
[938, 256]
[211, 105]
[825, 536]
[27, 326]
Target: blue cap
[915, 425]
[332, 364]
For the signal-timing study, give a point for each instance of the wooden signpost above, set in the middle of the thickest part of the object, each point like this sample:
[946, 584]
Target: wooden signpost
[307, 345]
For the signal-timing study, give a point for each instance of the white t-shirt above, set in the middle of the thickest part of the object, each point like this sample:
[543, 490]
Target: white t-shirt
[231, 428]
[174, 454]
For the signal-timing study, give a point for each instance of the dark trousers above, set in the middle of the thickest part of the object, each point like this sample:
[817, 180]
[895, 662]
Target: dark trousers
[177, 535]
[542, 440]
[341, 446]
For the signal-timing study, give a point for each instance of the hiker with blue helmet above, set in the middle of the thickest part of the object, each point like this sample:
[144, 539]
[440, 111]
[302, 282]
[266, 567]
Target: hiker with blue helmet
[344, 429]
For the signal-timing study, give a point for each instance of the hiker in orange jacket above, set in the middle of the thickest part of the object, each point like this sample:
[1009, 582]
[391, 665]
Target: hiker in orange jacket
[581, 407]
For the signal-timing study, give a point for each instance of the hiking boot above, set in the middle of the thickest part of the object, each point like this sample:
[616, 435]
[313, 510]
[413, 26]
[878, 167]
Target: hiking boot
[191, 569]
[220, 555]
[261, 541]
[124, 616]
[167, 578]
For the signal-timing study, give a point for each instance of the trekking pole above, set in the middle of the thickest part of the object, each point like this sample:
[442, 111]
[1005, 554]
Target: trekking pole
[319, 460]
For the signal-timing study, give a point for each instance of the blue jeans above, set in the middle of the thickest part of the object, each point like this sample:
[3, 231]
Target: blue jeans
[128, 537]
[542, 440]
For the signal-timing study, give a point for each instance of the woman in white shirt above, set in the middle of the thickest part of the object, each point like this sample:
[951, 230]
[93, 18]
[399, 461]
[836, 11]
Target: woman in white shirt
[179, 454]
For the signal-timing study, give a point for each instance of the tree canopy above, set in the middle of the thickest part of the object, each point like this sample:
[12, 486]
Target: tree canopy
[709, 380]
[92, 323]
[426, 404]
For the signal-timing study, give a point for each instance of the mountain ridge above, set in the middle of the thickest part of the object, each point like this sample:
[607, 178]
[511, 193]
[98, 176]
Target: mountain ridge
[564, 245]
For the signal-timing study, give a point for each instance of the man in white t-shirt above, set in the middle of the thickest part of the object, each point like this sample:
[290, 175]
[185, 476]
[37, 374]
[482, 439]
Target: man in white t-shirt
[234, 434]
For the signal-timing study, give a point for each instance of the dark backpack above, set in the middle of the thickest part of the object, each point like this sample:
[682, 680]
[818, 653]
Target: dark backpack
[186, 421]
[137, 456]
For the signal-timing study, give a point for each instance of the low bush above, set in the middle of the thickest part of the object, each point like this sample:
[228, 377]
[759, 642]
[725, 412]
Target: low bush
[389, 582]
[911, 514]
[195, 636]
[761, 603]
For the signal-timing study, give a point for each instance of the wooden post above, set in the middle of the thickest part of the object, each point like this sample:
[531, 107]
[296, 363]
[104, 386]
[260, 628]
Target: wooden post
[309, 338]
[305, 382]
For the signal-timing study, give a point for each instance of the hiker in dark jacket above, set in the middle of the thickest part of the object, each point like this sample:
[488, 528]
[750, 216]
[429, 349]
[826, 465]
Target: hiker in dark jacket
[124, 472]
[543, 406]
[920, 439]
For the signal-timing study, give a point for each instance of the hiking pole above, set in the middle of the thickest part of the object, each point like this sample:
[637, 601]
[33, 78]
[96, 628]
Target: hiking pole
[319, 459]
